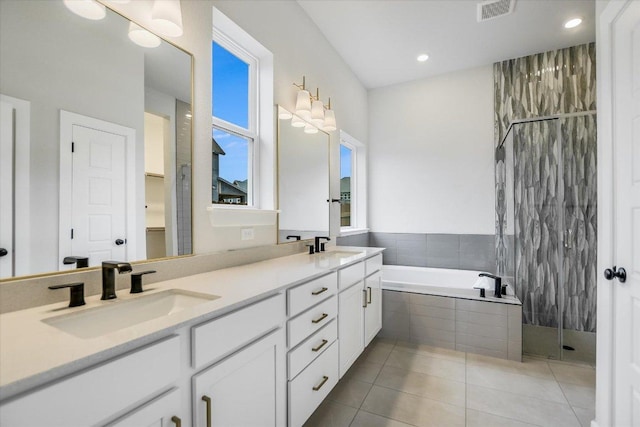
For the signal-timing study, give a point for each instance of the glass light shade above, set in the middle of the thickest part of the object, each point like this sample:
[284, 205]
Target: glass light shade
[89, 9]
[310, 129]
[142, 37]
[329, 121]
[303, 104]
[284, 114]
[297, 122]
[317, 112]
[166, 17]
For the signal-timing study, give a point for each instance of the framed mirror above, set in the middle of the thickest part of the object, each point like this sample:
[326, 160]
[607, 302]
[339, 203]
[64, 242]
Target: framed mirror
[95, 141]
[303, 181]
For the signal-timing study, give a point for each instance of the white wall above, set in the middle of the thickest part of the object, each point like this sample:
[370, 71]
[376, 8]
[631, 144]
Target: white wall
[299, 49]
[431, 156]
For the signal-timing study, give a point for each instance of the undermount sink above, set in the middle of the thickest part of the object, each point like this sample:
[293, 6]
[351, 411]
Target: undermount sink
[340, 254]
[116, 315]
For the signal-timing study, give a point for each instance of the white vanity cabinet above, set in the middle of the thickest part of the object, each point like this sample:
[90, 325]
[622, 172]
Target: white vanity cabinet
[372, 307]
[313, 347]
[245, 383]
[98, 394]
[163, 411]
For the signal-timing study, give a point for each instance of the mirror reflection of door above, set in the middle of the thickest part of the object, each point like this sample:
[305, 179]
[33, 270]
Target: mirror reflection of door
[97, 190]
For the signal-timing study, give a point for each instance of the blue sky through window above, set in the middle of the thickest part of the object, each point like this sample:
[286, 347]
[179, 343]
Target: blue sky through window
[234, 164]
[230, 83]
[345, 161]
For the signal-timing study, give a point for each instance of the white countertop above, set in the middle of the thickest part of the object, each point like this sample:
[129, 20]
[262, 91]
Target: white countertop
[33, 353]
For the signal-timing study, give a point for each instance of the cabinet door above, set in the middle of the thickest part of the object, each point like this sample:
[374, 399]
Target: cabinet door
[350, 325]
[373, 311]
[246, 389]
[164, 411]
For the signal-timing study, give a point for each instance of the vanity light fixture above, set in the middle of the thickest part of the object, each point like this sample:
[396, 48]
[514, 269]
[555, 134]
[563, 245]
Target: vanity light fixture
[142, 37]
[572, 23]
[89, 9]
[422, 57]
[310, 111]
[284, 114]
[166, 17]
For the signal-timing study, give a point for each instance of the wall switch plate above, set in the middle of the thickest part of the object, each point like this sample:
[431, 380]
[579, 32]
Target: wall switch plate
[246, 234]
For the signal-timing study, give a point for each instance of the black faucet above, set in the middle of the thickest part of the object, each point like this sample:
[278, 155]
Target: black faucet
[320, 246]
[498, 284]
[79, 261]
[76, 293]
[109, 277]
[294, 236]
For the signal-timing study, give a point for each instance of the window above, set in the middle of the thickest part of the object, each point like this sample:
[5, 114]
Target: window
[234, 132]
[346, 184]
[353, 185]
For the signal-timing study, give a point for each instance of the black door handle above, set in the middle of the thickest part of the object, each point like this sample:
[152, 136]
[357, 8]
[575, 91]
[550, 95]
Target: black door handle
[120, 242]
[3, 252]
[619, 273]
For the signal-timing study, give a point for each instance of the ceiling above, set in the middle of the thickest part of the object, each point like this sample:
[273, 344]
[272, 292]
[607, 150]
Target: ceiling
[380, 39]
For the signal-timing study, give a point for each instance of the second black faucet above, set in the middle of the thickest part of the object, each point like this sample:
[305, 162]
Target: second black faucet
[319, 247]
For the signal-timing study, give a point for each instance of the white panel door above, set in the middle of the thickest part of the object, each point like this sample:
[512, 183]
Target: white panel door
[351, 325]
[626, 131]
[6, 189]
[98, 195]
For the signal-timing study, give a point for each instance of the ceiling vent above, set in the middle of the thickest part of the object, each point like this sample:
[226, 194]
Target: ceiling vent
[494, 9]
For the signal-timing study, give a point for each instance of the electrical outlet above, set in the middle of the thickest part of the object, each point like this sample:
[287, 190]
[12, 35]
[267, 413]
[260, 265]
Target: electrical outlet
[246, 234]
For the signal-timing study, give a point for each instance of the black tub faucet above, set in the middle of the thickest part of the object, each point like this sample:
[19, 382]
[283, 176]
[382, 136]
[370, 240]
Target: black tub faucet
[109, 277]
[498, 284]
[320, 246]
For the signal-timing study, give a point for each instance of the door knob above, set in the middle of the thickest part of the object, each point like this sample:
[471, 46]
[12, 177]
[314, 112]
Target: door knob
[3, 252]
[620, 273]
[119, 242]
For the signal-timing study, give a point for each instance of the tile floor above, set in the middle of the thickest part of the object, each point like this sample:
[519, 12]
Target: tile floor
[398, 384]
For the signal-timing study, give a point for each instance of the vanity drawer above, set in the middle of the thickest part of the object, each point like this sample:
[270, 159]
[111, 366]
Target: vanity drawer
[311, 320]
[350, 275]
[224, 335]
[373, 264]
[311, 348]
[99, 393]
[304, 296]
[313, 384]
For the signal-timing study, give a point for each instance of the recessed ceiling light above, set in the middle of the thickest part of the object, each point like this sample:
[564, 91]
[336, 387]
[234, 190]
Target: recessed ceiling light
[572, 23]
[423, 57]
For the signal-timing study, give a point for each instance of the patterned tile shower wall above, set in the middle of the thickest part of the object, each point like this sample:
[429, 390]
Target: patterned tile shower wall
[553, 193]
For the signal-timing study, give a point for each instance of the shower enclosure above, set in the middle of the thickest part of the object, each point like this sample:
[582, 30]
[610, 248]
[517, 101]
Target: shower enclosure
[546, 231]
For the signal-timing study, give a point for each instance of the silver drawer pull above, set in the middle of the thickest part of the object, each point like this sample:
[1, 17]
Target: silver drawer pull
[318, 292]
[319, 386]
[322, 344]
[320, 319]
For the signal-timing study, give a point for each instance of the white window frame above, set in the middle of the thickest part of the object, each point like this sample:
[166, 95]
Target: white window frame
[358, 185]
[261, 125]
[251, 132]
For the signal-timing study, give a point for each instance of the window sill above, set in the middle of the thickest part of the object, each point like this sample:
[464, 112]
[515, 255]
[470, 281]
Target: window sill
[238, 216]
[352, 231]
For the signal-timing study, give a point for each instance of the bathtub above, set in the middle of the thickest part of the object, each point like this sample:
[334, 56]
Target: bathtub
[440, 307]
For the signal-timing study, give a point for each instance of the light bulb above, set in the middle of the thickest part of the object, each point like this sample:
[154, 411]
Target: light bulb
[142, 37]
[89, 9]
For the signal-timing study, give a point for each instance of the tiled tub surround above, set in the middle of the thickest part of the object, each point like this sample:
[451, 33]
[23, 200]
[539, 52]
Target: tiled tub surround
[481, 327]
[462, 251]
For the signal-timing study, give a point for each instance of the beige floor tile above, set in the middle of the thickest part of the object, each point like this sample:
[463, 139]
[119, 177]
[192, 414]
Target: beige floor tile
[579, 396]
[573, 374]
[350, 392]
[585, 415]
[365, 419]
[364, 371]
[377, 351]
[411, 409]
[521, 408]
[528, 366]
[331, 414]
[429, 386]
[482, 419]
[427, 350]
[449, 369]
[545, 389]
